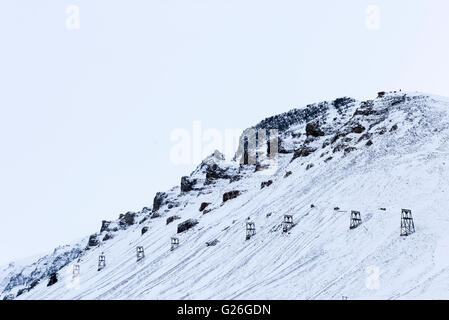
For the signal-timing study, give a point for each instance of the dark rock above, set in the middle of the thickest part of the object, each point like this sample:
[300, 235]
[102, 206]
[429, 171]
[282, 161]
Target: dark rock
[215, 172]
[158, 201]
[260, 167]
[143, 220]
[309, 166]
[235, 178]
[339, 103]
[326, 143]
[207, 211]
[382, 131]
[383, 209]
[204, 205]
[349, 149]
[107, 237]
[339, 148]
[186, 225]
[393, 128]
[22, 291]
[155, 215]
[93, 241]
[172, 218]
[145, 210]
[127, 219]
[212, 243]
[144, 230]
[312, 205]
[381, 94]
[105, 226]
[313, 129]
[303, 152]
[230, 195]
[288, 173]
[357, 129]
[266, 184]
[328, 159]
[53, 279]
[369, 143]
[187, 184]
[336, 208]
[8, 297]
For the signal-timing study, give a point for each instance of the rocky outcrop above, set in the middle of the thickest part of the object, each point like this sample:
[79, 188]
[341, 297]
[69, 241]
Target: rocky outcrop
[93, 241]
[159, 200]
[266, 184]
[105, 226]
[53, 279]
[313, 129]
[144, 230]
[187, 184]
[230, 195]
[204, 205]
[172, 218]
[212, 243]
[107, 236]
[215, 172]
[127, 219]
[303, 152]
[186, 225]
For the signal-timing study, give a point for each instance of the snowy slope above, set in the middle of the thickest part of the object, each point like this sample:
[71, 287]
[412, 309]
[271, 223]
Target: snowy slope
[406, 166]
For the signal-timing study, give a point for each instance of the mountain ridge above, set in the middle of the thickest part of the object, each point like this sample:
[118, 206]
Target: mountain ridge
[327, 148]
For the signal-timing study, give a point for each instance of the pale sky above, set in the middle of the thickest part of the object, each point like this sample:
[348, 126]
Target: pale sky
[87, 114]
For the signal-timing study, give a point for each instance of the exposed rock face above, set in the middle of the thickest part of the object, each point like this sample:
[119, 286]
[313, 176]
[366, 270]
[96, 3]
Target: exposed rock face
[28, 277]
[172, 218]
[186, 225]
[204, 205]
[288, 173]
[215, 172]
[357, 128]
[230, 195]
[303, 152]
[341, 103]
[93, 241]
[105, 226]
[107, 237]
[127, 219]
[159, 199]
[187, 184]
[53, 279]
[144, 230]
[266, 184]
[313, 129]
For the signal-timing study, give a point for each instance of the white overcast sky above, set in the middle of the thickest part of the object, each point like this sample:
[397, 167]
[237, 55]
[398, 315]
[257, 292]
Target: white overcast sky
[87, 114]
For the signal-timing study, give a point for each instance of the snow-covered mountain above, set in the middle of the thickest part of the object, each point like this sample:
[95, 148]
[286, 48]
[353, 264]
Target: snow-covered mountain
[377, 157]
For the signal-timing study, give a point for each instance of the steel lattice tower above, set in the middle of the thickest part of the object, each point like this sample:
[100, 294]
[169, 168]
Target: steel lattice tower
[356, 220]
[407, 225]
